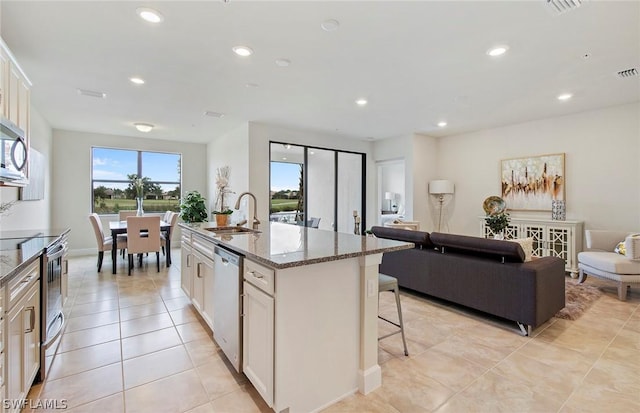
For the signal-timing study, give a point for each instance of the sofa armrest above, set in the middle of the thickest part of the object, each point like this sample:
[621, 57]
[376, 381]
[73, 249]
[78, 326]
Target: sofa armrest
[604, 240]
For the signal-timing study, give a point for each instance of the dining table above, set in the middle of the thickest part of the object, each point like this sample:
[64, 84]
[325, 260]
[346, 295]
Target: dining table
[120, 227]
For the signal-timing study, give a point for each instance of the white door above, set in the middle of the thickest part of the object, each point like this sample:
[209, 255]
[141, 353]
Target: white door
[257, 346]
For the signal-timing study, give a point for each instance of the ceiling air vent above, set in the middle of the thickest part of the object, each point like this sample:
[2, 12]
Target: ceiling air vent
[92, 93]
[558, 7]
[628, 73]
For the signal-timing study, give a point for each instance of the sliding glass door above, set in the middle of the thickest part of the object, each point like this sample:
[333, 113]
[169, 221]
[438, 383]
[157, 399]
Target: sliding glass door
[317, 187]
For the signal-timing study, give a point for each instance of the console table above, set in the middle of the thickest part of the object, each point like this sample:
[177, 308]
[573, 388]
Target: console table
[561, 239]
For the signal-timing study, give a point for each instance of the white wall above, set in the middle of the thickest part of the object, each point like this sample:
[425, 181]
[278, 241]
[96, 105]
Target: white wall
[71, 182]
[602, 168]
[31, 214]
[230, 149]
[419, 153]
[259, 137]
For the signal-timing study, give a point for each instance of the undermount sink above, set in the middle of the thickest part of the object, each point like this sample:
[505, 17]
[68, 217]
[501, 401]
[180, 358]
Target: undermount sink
[232, 230]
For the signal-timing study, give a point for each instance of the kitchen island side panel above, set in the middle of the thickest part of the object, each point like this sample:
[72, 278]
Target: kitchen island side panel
[317, 334]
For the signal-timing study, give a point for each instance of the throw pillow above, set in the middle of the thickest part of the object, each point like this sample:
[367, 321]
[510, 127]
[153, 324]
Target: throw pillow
[527, 246]
[632, 246]
[620, 249]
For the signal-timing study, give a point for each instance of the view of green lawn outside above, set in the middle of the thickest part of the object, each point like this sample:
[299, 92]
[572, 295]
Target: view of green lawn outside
[112, 206]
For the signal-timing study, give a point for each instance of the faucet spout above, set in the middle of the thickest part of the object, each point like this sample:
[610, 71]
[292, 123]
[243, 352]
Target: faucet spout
[256, 222]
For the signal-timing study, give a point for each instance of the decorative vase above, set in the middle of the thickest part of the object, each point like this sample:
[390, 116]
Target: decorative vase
[221, 220]
[139, 210]
[498, 235]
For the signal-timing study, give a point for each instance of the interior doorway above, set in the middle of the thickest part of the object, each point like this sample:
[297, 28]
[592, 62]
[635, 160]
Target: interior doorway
[393, 200]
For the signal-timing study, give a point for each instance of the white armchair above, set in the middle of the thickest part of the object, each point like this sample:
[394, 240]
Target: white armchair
[601, 261]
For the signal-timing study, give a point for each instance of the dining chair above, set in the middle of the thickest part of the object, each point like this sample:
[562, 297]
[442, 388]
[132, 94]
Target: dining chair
[126, 213]
[171, 219]
[105, 243]
[143, 235]
[167, 216]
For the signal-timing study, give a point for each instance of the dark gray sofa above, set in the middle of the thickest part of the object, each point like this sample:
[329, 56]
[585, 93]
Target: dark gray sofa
[483, 274]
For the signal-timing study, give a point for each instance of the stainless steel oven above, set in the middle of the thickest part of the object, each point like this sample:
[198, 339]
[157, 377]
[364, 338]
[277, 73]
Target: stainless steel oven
[53, 268]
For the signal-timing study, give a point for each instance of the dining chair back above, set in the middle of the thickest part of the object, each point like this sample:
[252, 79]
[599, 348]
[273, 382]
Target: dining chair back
[167, 216]
[143, 235]
[105, 243]
[126, 213]
[172, 219]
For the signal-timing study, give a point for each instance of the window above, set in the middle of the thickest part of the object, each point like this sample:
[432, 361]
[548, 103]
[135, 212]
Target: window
[112, 174]
[316, 187]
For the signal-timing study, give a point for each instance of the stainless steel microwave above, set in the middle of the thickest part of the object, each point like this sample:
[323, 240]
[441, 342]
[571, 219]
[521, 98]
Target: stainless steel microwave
[13, 157]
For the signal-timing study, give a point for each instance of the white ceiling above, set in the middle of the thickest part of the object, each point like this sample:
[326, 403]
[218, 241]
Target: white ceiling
[417, 63]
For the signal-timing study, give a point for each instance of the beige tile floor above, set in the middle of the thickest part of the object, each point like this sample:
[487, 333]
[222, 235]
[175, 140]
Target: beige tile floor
[134, 344]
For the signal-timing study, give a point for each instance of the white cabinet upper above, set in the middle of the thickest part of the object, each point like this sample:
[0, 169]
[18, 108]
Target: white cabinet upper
[15, 107]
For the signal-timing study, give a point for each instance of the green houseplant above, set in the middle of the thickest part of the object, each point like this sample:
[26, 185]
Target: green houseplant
[193, 208]
[497, 223]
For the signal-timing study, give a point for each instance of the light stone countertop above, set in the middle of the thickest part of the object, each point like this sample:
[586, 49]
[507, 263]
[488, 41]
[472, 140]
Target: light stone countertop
[279, 245]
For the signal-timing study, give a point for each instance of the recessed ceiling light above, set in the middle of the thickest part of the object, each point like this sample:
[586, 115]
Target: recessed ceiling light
[442, 124]
[284, 158]
[137, 80]
[312, 153]
[150, 15]
[361, 102]
[243, 51]
[214, 114]
[143, 127]
[251, 85]
[565, 96]
[497, 51]
[283, 62]
[330, 25]
[92, 93]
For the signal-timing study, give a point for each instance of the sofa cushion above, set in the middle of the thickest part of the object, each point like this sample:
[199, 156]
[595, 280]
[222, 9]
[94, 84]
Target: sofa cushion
[490, 248]
[609, 262]
[419, 238]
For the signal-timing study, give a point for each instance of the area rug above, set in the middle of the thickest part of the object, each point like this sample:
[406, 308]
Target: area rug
[578, 297]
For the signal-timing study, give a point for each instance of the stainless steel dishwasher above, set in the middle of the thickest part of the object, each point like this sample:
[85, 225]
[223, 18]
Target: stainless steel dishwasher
[227, 306]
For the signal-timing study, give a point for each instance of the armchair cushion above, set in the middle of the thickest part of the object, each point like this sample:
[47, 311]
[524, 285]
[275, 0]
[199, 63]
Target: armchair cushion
[609, 262]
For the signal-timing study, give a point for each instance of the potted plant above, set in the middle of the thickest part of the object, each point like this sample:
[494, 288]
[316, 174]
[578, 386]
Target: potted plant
[222, 211]
[193, 208]
[497, 223]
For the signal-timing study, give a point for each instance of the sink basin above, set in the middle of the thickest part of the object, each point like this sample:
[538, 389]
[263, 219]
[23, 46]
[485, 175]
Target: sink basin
[232, 230]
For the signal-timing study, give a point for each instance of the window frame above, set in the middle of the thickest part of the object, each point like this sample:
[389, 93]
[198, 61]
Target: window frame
[138, 172]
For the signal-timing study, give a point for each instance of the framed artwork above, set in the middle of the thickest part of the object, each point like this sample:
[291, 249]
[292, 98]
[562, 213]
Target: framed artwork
[532, 183]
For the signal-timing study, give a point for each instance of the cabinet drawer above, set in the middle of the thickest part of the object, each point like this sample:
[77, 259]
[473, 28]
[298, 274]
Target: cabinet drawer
[21, 283]
[203, 246]
[260, 276]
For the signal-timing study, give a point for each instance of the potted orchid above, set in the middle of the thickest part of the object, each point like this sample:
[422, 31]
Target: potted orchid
[222, 210]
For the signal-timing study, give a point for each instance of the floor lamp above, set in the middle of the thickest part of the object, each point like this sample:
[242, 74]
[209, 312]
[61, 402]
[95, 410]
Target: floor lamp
[440, 188]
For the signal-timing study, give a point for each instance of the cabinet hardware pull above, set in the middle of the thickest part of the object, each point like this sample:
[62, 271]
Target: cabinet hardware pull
[32, 319]
[258, 276]
[188, 263]
[66, 266]
[198, 270]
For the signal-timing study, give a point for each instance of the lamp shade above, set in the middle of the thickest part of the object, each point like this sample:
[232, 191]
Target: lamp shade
[441, 186]
[389, 195]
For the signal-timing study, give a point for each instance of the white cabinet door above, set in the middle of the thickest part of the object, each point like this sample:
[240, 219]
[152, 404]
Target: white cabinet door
[13, 93]
[207, 267]
[31, 335]
[14, 356]
[197, 292]
[186, 268]
[4, 83]
[257, 346]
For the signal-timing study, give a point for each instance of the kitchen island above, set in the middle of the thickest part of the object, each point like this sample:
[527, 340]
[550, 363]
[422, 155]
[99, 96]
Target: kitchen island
[309, 308]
